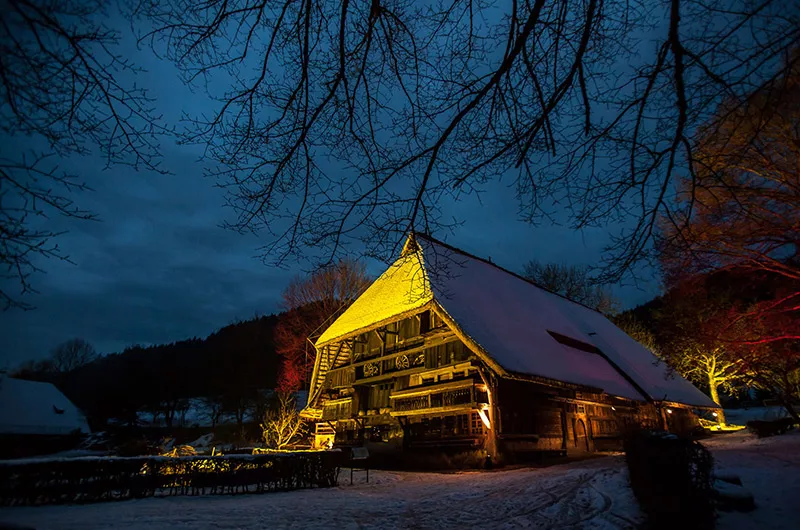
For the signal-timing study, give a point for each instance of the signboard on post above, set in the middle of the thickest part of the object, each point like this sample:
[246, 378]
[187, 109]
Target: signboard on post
[359, 454]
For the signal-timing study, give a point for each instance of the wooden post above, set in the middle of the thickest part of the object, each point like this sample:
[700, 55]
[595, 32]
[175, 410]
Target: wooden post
[490, 443]
[662, 413]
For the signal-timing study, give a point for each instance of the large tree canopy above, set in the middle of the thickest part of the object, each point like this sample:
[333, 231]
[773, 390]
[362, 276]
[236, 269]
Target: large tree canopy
[352, 121]
[739, 207]
[342, 121]
[311, 303]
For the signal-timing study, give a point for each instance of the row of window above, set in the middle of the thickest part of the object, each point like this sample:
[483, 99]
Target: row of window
[446, 426]
[395, 334]
[438, 427]
[531, 421]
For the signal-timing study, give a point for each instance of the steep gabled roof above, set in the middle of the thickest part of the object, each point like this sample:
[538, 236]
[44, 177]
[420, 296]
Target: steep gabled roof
[523, 328]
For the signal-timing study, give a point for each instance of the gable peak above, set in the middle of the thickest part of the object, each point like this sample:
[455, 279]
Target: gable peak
[411, 245]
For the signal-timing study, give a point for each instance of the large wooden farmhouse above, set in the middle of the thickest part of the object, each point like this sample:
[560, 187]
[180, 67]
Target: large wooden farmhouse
[447, 350]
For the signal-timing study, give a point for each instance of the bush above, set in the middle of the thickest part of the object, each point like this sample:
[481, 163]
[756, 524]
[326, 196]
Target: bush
[432, 461]
[763, 428]
[137, 447]
[672, 480]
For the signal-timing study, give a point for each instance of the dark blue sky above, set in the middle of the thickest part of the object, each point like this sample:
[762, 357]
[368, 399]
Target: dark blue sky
[158, 268]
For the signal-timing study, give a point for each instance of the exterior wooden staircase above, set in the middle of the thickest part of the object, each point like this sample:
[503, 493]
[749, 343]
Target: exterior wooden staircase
[327, 357]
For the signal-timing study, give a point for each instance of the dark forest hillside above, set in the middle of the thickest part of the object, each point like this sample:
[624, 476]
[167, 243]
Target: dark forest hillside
[229, 368]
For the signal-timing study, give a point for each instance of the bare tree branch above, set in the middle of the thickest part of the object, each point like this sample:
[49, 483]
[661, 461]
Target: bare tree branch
[61, 94]
[355, 121]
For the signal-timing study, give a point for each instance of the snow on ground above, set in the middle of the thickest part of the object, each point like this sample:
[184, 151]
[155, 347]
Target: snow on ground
[770, 470]
[591, 494]
[742, 416]
[588, 494]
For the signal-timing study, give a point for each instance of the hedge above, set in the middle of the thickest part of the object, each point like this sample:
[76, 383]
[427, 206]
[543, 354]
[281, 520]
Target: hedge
[95, 479]
[672, 480]
[764, 428]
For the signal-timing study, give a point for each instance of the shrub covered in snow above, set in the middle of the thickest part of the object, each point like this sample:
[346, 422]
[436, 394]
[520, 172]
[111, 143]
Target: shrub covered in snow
[764, 428]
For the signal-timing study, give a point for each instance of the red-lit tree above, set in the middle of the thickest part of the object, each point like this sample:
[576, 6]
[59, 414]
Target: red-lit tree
[775, 364]
[311, 303]
[738, 212]
[739, 204]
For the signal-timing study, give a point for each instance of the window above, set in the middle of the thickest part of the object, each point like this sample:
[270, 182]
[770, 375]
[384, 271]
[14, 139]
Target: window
[574, 343]
[462, 424]
[424, 322]
[391, 335]
[608, 427]
[449, 426]
[477, 424]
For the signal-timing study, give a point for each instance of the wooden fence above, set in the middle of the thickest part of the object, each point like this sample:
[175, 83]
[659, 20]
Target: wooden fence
[97, 479]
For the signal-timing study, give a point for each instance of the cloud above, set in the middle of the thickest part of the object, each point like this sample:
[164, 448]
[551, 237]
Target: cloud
[156, 268]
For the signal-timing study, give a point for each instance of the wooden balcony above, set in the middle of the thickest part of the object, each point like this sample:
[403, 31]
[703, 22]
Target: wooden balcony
[336, 409]
[444, 397]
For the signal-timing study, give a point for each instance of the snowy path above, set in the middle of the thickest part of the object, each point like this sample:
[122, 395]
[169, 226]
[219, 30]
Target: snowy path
[586, 494]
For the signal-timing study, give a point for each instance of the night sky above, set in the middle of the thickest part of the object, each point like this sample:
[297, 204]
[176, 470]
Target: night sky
[157, 267]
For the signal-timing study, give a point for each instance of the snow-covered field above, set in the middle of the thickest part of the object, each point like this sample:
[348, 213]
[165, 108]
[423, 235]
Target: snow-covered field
[585, 494]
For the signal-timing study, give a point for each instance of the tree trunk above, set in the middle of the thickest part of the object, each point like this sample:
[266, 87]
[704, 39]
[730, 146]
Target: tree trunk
[787, 404]
[712, 385]
[240, 421]
[785, 396]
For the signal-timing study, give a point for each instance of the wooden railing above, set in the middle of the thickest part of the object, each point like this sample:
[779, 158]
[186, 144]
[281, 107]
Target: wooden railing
[447, 398]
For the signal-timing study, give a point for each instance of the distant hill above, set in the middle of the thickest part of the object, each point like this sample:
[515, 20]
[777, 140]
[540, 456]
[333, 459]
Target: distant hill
[230, 366]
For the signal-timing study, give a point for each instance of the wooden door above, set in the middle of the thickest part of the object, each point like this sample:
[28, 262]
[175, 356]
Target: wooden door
[581, 439]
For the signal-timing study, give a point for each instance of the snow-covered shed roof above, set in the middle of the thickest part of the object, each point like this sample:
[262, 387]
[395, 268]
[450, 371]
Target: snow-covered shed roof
[30, 407]
[523, 328]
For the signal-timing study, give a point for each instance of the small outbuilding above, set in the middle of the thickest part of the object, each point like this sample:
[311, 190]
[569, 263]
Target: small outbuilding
[36, 417]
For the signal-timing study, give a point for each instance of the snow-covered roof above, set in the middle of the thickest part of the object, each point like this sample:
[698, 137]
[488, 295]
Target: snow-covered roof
[30, 407]
[517, 324]
[402, 288]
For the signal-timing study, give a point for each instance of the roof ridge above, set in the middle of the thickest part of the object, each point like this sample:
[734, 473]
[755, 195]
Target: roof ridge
[489, 262]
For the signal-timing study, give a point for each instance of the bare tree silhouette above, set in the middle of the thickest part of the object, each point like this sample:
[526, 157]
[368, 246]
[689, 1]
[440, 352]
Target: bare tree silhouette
[62, 93]
[72, 354]
[353, 121]
[573, 281]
